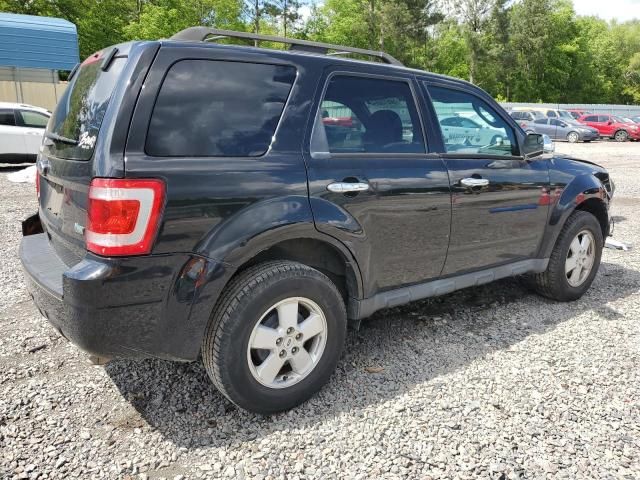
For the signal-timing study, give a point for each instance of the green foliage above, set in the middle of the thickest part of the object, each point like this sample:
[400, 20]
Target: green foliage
[518, 50]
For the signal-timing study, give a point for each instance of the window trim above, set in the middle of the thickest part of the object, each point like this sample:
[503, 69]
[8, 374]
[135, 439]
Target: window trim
[426, 83]
[318, 155]
[215, 59]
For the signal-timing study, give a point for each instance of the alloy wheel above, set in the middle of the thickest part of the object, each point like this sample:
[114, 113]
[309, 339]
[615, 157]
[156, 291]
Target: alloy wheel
[580, 258]
[287, 342]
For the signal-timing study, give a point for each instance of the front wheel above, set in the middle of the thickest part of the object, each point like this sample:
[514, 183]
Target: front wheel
[573, 137]
[574, 260]
[621, 136]
[275, 337]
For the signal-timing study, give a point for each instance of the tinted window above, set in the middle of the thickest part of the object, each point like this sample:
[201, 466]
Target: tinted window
[551, 114]
[81, 108]
[492, 136]
[450, 122]
[33, 119]
[603, 118]
[557, 123]
[385, 119]
[542, 121]
[591, 118]
[216, 108]
[7, 118]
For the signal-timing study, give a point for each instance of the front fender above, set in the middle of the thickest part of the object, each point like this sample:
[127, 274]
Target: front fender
[565, 199]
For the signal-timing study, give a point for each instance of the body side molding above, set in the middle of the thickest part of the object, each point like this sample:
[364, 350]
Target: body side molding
[359, 309]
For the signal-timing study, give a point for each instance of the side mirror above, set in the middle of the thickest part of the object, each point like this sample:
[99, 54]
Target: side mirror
[536, 144]
[609, 122]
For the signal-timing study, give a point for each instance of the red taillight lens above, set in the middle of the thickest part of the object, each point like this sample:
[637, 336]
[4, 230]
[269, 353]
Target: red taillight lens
[38, 185]
[123, 215]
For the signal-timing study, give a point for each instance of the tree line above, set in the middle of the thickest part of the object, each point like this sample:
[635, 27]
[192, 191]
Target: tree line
[522, 50]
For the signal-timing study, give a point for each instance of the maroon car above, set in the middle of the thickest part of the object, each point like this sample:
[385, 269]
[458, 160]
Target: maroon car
[612, 126]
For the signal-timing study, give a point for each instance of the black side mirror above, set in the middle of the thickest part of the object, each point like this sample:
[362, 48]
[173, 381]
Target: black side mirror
[536, 144]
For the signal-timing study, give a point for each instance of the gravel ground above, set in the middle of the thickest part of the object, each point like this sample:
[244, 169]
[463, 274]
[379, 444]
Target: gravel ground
[490, 382]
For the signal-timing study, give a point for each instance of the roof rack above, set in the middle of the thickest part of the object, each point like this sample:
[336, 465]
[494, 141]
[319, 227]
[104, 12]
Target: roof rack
[206, 34]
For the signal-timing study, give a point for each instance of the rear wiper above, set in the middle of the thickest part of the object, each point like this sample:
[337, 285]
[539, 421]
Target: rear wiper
[59, 138]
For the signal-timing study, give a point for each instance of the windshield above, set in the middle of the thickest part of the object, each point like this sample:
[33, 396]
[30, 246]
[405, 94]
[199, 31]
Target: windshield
[617, 119]
[566, 115]
[74, 126]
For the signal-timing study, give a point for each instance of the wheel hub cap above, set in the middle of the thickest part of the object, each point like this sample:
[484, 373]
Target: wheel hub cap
[287, 342]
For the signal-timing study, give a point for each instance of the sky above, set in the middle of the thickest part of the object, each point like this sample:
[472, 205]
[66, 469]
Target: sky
[620, 10]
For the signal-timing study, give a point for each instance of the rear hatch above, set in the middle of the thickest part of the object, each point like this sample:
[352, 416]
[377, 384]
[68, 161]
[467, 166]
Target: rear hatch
[67, 157]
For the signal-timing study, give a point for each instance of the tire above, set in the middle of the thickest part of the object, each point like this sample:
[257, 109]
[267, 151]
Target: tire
[573, 137]
[555, 282]
[246, 309]
[621, 136]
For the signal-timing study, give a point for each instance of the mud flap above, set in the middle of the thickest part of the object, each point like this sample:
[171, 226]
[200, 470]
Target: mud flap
[32, 226]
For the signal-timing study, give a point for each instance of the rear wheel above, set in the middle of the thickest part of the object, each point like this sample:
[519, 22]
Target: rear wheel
[621, 136]
[574, 260]
[275, 336]
[573, 137]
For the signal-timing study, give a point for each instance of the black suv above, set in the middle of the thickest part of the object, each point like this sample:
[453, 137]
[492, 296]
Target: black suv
[245, 203]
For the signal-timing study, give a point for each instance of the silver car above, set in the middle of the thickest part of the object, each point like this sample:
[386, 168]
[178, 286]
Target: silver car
[561, 129]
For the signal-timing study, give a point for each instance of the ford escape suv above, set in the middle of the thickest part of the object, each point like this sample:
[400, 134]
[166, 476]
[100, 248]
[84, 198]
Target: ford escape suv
[195, 200]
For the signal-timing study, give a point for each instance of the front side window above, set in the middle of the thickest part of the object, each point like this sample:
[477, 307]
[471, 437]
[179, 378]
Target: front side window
[551, 114]
[218, 108]
[481, 130]
[603, 118]
[542, 121]
[368, 115]
[33, 119]
[592, 118]
[7, 118]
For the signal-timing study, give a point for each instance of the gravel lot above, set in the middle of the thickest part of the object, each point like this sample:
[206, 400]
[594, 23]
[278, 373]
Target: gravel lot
[490, 382]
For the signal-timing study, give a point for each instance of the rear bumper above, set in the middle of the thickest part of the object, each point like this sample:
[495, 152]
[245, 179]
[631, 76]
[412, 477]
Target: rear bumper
[135, 307]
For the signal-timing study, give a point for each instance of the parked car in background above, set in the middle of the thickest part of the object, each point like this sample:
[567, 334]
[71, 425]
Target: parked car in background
[21, 130]
[526, 115]
[577, 113]
[559, 129]
[462, 129]
[612, 126]
[547, 112]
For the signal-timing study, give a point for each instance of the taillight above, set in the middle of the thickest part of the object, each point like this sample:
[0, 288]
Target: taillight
[38, 185]
[123, 215]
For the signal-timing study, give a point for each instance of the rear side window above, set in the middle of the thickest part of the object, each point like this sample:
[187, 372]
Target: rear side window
[79, 114]
[218, 108]
[591, 118]
[374, 116]
[33, 119]
[7, 118]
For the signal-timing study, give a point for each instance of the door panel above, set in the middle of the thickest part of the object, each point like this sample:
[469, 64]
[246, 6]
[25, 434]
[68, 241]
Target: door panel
[398, 228]
[11, 137]
[499, 200]
[33, 124]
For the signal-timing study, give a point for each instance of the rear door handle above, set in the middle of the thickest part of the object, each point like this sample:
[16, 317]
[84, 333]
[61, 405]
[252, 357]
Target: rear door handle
[348, 187]
[474, 182]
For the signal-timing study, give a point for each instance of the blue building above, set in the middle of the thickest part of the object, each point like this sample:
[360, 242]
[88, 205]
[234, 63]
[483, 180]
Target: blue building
[32, 51]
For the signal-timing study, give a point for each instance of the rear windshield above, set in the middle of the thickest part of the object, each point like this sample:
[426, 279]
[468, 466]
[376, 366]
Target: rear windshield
[80, 111]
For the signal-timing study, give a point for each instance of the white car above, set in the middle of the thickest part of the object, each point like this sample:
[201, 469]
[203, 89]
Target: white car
[461, 130]
[21, 130]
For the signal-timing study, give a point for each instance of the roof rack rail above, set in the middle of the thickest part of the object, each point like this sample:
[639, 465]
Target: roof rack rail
[206, 34]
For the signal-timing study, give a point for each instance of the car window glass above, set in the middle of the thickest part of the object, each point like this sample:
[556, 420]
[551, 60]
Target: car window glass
[371, 116]
[603, 118]
[33, 119]
[229, 108]
[492, 135]
[7, 118]
[551, 114]
[450, 122]
[542, 121]
[556, 123]
[467, 123]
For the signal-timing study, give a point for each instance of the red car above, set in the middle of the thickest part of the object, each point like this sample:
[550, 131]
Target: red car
[576, 113]
[612, 126]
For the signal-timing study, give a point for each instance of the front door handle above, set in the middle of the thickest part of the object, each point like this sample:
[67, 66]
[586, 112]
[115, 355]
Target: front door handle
[474, 182]
[348, 187]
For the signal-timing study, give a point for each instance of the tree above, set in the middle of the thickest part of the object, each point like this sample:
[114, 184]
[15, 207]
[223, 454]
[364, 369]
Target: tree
[474, 15]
